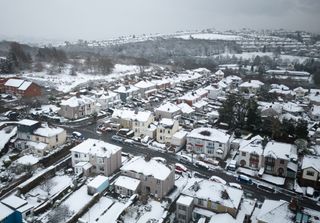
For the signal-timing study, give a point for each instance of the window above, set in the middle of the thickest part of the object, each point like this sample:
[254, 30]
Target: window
[200, 202]
[281, 161]
[158, 181]
[160, 130]
[220, 145]
[76, 155]
[181, 207]
[310, 173]
[243, 153]
[57, 139]
[168, 131]
[181, 216]
[101, 168]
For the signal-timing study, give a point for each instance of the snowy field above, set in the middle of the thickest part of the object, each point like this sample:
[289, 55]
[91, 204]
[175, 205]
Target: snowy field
[210, 36]
[252, 55]
[65, 82]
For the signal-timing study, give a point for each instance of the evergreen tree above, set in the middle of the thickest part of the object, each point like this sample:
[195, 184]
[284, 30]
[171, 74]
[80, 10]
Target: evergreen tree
[302, 129]
[253, 121]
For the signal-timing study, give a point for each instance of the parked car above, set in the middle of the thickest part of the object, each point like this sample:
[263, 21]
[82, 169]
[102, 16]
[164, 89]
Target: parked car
[202, 165]
[235, 185]
[117, 138]
[184, 159]
[77, 135]
[266, 188]
[244, 179]
[310, 191]
[180, 168]
[232, 165]
[218, 180]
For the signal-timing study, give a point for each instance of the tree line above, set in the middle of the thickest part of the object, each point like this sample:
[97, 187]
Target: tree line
[240, 113]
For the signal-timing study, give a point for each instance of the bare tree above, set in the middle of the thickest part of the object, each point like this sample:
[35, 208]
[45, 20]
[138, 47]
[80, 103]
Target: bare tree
[47, 185]
[59, 214]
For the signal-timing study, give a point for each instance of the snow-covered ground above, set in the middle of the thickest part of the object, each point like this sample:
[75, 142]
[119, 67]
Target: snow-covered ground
[210, 36]
[252, 55]
[54, 185]
[6, 136]
[44, 109]
[113, 213]
[65, 82]
[153, 210]
[78, 199]
[94, 213]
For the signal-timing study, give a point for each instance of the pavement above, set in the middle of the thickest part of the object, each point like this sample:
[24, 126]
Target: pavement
[89, 131]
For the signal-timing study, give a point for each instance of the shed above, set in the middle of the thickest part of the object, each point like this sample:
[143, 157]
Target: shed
[98, 185]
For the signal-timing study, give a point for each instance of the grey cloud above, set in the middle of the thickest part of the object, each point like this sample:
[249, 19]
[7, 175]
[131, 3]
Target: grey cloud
[101, 19]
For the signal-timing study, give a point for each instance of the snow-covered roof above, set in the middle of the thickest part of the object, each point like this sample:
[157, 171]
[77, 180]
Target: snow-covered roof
[311, 161]
[4, 211]
[292, 107]
[283, 92]
[108, 95]
[210, 134]
[27, 122]
[37, 145]
[152, 167]
[280, 87]
[126, 89]
[14, 82]
[96, 147]
[275, 211]
[28, 160]
[98, 181]
[180, 134]
[201, 70]
[315, 110]
[219, 72]
[251, 84]
[194, 94]
[210, 190]
[168, 107]
[253, 145]
[24, 86]
[185, 200]
[288, 72]
[47, 131]
[200, 104]
[300, 89]
[141, 116]
[267, 105]
[144, 84]
[167, 122]
[77, 101]
[13, 201]
[127, 182]
[280, 150]
[185, 108]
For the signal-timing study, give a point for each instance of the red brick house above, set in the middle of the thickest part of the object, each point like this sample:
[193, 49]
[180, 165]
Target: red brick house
[22, 88]
[2, 82]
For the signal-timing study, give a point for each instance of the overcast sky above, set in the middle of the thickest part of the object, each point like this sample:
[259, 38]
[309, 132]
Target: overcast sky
[103, 19]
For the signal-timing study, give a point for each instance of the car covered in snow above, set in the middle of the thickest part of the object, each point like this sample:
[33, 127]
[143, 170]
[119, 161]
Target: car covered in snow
[218, 180]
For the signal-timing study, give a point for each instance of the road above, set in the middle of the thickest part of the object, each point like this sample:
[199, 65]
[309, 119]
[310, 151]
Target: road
[89, 131]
